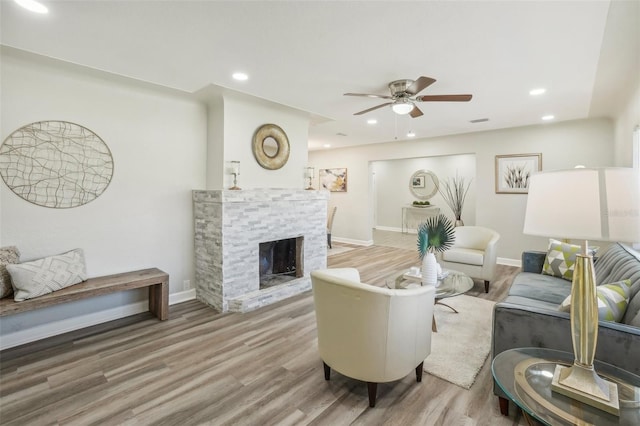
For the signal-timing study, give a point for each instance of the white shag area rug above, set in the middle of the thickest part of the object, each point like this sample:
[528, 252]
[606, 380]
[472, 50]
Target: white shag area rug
[463, 340]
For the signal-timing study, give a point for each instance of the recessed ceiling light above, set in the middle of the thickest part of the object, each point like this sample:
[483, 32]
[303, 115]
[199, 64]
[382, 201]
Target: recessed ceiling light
[548, 117]
[240, 76]
[410, 134]
[327, 145]
[372, 121]
[536, 92]
[33, 6]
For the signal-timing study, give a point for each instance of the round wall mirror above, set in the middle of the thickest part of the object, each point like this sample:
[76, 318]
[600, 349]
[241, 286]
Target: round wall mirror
[423, 184]
[270, 146]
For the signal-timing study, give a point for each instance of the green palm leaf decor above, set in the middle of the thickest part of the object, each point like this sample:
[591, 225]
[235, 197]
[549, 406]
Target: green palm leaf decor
[436, 234]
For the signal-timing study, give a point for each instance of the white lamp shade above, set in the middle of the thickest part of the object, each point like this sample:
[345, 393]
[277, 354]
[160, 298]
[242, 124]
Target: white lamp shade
[588, 204]
[308, 173]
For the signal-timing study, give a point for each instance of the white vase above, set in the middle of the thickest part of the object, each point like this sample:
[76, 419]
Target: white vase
[429, 270]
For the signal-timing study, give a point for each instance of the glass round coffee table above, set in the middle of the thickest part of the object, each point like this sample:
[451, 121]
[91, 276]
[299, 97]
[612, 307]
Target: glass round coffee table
[451, 283]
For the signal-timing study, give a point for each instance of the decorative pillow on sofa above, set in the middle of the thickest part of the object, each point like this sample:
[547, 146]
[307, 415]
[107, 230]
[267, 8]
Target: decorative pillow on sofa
[612, 300]
[42, 276]
[561, 259]
[8, 255]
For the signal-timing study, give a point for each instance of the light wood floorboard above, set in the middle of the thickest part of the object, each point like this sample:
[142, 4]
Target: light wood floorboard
[203, 367]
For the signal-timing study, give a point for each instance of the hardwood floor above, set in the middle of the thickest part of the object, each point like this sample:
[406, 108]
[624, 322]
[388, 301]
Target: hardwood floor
[202, 367]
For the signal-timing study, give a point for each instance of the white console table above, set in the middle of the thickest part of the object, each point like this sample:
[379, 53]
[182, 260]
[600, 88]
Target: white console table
[412, 215]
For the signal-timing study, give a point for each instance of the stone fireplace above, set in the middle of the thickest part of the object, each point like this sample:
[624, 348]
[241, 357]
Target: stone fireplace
[256, 247]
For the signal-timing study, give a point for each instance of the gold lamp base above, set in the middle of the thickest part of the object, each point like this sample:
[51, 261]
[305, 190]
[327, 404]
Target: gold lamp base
[583, 384]
[580, 381]
[235, 188]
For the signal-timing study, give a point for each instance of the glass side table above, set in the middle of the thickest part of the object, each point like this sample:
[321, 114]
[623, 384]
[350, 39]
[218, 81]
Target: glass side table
[525, 375]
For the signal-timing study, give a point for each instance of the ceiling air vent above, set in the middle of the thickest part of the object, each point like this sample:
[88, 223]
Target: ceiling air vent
[479, 120]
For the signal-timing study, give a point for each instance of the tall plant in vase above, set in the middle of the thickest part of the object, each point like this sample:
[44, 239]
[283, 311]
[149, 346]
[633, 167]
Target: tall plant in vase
[454, 191]
[436, 234]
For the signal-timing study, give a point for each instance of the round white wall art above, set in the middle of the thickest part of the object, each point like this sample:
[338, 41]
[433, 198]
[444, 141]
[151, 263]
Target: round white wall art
[56, 164]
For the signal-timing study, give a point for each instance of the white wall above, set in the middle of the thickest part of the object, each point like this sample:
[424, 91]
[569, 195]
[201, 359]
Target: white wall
[243, 115]
[563, 145]
[392, 186]
[233, 118]
[144, 219]
[625, 124]
[215, 143]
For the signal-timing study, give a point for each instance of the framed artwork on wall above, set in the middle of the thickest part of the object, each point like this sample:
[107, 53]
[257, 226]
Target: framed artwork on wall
[513, 172]
[334, 180]
[417, 182]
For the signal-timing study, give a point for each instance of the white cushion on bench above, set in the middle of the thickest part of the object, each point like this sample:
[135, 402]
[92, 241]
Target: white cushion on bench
[42, 276]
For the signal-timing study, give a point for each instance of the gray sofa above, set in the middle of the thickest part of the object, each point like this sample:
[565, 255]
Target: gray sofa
[529, 315]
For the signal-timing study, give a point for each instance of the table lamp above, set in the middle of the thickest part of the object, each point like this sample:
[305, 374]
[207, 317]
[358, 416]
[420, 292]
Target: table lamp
[234, 169]
[308, 173]
[601, 204]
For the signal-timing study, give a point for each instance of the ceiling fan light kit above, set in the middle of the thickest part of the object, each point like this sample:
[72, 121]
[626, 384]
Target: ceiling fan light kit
[403, 96]
[402, 107]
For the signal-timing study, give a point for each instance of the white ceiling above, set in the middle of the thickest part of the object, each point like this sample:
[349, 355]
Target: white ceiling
[306, 54]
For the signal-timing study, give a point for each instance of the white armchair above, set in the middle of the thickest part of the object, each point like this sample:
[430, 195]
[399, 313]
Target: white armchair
[474, 252]
[371, 333]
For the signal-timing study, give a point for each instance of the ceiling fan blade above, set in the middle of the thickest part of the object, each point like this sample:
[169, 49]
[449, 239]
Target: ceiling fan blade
[444, 98]
[371, 109]
[366, 95]
[420, 84]
[415, 112]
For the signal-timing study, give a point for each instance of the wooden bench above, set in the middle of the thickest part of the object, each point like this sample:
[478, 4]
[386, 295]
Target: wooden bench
[154, 278]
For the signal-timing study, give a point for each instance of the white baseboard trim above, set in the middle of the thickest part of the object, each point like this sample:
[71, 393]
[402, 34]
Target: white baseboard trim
[350, 241]
[393, 229]
[182, 296]
[509, 262]
[70, 324]
[388, 228]
[75, 323]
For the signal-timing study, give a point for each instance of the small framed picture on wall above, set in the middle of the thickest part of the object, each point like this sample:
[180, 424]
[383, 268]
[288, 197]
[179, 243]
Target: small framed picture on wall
[335, 180]
[513, 172]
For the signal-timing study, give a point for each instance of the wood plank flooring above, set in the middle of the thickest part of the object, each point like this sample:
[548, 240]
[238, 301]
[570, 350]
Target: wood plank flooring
[201, 367]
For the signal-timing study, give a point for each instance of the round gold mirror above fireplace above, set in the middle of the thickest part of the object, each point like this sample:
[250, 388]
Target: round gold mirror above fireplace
[270, 146]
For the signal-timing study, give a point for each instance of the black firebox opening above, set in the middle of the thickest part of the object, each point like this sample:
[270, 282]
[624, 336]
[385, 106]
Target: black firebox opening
[280, 261]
